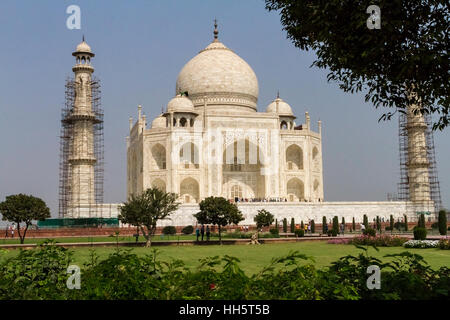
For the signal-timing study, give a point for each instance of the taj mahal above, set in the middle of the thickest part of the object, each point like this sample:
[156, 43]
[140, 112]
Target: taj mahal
[214, 139]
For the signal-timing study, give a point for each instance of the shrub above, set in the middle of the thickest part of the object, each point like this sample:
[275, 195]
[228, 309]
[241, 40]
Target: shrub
[387, 228]
[284, 225]
[391, 222]
[276, 223]
[378, 224]
[406, 223]
[302, 226]
[421, 223]
[442, 221]
[188, 230]
[274, 231]
[444, 244]
[366, 221]
[420, 233]
[313, 226]
[324, 225]
[169, 230]
[292, 225]
[353, 224]
[399, 225]
[379, 241]
[300, 232]
[335, 226]
[370, 232]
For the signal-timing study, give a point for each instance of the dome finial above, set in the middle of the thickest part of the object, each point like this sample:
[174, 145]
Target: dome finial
[278, 94]
[83, 37]
[216, 32]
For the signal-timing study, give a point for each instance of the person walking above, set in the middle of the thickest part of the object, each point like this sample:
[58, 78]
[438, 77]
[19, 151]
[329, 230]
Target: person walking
[342, 228]
[197, 232]
[309, 228]
[202, 231]
[208, 233]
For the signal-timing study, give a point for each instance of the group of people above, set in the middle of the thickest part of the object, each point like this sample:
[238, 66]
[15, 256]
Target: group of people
[201, 232]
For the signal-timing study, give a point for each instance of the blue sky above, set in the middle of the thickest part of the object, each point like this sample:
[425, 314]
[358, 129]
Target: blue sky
[140, 47]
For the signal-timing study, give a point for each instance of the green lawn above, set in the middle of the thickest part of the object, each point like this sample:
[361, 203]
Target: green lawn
[253, 258]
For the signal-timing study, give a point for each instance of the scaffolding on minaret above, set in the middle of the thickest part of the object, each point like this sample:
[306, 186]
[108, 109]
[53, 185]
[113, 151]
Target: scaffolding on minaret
[67, 144]
[406, 143]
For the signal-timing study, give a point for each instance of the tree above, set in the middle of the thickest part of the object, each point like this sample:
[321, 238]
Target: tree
[378, 224]
[313, 226]
[343, 222]
[406, 223]
[324, 225]
[353, 224]
[335, 228]
[408, 52]
[391, 222]
[442, 221]
[218, 211]
[292, 225]
[284, 225]
[263, 219]
[22, 208]
[146, 209]
[421, 222]
[302, 226]
[365, 221]
[276, 224]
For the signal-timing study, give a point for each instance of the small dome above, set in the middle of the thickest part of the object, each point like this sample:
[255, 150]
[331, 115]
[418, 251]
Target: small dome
[180, 104]
[284, 109]
[159, 122]
[83, 47]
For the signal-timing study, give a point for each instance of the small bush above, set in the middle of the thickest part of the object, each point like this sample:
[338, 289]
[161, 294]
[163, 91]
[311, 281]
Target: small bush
[188, 230]
[300, 232]
[399, 225]
[274, 231]
[313, 226]
[285, 228]
[379, 241]
[169, 230]
[370, 232]
[444, 244]
[387, 228]
[442, 222]
[420, 233]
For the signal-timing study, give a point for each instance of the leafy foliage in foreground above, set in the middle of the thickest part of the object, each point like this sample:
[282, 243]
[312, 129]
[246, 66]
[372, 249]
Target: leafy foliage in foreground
[41, 274]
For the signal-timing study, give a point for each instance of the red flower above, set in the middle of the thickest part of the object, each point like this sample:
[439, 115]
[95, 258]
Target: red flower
[212, 286]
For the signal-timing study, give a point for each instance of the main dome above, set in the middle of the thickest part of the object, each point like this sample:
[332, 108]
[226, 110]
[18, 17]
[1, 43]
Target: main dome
[221, 76]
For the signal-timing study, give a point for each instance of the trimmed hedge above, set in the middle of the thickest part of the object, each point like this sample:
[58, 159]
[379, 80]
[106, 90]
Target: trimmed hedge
[420, 233]
[188, 230]
[169, 230]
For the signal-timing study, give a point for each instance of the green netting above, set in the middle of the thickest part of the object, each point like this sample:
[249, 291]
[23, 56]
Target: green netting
[78, 223]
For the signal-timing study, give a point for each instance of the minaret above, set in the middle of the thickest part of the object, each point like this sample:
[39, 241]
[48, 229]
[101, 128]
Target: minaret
[82, 157]
[418, 163]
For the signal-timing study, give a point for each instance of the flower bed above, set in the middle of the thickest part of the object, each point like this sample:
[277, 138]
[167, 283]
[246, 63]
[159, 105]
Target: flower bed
[379, 241]
[422, 244]
[339, 241]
